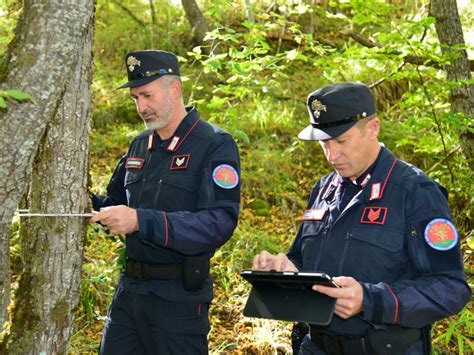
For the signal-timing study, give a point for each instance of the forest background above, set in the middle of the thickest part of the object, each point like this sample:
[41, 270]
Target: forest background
[248, 66]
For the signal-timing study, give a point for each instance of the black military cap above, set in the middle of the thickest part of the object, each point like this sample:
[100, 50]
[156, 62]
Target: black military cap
[333, 109]
[145, 66]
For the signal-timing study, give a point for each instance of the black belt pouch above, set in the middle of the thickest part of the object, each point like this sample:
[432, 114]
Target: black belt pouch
[394, 340]
[196, 270]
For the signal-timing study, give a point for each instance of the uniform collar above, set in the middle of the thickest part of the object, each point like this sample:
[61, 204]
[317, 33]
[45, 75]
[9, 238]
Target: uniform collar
[362, 180]
[185, 127]
[373, 181]
[380, 175]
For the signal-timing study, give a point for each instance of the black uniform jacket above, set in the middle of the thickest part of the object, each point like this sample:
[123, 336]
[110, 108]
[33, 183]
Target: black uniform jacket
[186, 191]
[395, 237]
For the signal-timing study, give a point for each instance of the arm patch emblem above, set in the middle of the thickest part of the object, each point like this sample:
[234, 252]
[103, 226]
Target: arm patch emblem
[441, 234]
[225, 176]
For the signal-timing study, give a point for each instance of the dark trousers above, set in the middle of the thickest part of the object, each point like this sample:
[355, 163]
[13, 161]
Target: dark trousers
[147, 324]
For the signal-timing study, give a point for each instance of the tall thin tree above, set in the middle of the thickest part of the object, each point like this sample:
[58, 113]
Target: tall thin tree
[197, 21]
[450, 34]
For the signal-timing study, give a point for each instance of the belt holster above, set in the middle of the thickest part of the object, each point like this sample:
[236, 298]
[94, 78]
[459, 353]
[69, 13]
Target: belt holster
[335, 345]
[196, 271]
[393, 340]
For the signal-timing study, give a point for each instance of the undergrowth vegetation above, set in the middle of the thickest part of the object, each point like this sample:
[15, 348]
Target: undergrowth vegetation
[251, 76]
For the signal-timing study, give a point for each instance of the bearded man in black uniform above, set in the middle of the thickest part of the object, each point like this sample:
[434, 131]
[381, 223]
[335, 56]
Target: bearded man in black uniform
[175, 194]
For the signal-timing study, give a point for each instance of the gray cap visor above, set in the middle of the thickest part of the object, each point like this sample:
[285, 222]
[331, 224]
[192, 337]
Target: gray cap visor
[313, 134]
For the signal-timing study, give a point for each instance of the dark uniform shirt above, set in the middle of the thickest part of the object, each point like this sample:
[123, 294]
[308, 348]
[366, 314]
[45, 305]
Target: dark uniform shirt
[395, 236]
[186, 191]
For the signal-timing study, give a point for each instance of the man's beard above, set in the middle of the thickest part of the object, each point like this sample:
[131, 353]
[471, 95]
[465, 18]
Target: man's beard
[161, 119]
[157, 123]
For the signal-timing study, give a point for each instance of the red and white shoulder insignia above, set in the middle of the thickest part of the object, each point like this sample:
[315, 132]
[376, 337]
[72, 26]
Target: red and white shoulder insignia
[376, 191]
[173, 145]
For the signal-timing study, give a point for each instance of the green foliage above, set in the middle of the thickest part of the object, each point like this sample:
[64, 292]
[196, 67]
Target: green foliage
[456, 332]
[252, 78]
[13, 95]
[117, 33]
[9, 13]
[248, 71]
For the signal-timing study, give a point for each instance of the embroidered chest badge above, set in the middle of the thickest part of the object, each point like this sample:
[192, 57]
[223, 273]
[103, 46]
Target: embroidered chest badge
[134, 163]
[225, 176]
[374, 215]
[180, 162]
[441, 234]
[314, 215]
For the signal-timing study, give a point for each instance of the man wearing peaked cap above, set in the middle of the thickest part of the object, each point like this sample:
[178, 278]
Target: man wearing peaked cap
[144, 67]
[335, 108]
[381, 227]
[175, 194]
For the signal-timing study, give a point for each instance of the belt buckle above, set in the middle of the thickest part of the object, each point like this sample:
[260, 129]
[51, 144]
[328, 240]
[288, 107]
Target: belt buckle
[135, 270]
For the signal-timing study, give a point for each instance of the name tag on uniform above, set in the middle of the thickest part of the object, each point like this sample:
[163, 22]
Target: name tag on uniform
[134, 163]
[314, 214]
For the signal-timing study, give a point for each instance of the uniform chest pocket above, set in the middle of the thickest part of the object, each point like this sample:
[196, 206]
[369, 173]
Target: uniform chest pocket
[389, 240]
[312, 229]
[376, 254]
[132, 187]
[187, 182]
[132, 177]
[178, 192]
[312, 243]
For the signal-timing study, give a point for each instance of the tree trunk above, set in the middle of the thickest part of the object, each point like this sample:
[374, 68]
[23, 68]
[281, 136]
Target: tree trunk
[154, 25]
[196, 19]
[449, 30]
[49, 59]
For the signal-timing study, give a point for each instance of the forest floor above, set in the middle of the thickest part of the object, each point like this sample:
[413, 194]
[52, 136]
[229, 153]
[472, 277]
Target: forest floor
[268, 220]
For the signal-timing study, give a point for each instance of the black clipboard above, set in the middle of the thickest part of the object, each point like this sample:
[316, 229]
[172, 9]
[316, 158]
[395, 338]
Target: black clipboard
[289, 296]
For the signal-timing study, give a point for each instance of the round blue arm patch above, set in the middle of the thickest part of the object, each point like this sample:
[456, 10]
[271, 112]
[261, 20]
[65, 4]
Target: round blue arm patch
[225, 176]
[441, 234]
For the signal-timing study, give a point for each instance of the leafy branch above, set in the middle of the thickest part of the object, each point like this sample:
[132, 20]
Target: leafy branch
[408, 58]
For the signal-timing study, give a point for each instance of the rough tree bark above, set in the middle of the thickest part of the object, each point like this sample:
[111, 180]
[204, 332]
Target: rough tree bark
[196, 19]
[50, 58]
[449, 30]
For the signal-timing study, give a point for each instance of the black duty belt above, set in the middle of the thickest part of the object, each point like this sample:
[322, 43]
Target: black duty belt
[144, 271]
[394, 340]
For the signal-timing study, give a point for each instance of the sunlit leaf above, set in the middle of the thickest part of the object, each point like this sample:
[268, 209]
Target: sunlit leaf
[18, 95]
